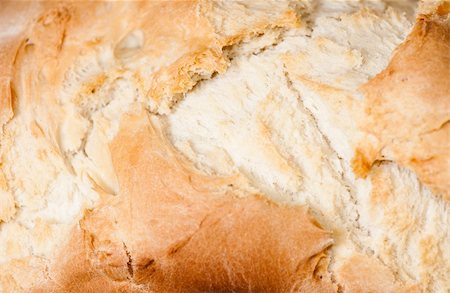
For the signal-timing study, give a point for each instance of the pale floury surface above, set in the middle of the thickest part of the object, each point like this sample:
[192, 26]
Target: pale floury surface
[247, 146]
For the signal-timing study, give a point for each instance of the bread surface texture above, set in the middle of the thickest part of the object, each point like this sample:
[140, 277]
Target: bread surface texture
[225, 146]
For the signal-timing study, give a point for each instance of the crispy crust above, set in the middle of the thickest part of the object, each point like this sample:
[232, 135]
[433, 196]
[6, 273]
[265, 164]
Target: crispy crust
[172, 229]
[407, 107]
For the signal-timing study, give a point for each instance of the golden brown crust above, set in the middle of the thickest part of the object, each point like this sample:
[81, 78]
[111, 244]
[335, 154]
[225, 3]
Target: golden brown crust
[408, 107]
[172, 229]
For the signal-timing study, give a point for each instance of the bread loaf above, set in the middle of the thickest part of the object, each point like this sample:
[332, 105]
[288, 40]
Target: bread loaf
[225, 146]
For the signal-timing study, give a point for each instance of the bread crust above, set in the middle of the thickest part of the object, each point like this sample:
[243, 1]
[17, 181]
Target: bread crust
[156, 223]
[172, 229]
[407, 107]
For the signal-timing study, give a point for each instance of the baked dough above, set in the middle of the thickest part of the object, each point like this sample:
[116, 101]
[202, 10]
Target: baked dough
[222, 146]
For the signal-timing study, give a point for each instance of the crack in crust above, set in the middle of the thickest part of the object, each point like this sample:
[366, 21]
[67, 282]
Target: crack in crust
[129, 262]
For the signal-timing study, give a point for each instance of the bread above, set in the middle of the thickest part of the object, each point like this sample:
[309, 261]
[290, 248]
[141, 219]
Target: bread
[224, 146]
[422, 101]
